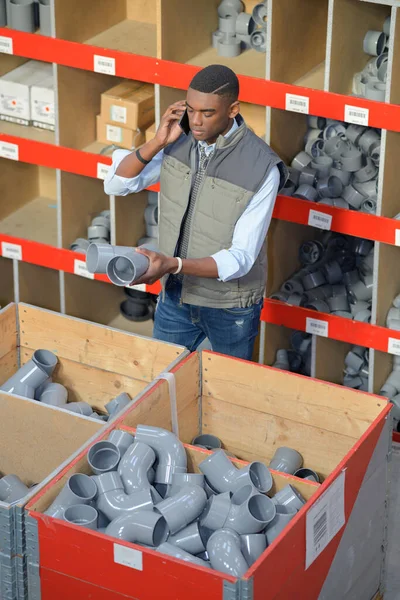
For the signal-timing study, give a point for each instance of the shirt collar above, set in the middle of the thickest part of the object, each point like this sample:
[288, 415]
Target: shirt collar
[209, 148]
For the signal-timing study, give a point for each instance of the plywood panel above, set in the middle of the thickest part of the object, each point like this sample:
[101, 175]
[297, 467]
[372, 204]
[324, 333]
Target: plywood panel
[287, 133]
[35, 220]
[250, 62]
[255, 117]
[254, 435]
[30, 133]
[128, 36]
[10, 62]
[8, 329]
[8, 365]
[329, 361]
[36, 439]
[300, 27]
[130, 225]
[91, 300]
[18, 183]
[145, 11]
[7, 281]
[77, 21]
[94, 345]
[39, 286]
[276, 337]
[47, 182]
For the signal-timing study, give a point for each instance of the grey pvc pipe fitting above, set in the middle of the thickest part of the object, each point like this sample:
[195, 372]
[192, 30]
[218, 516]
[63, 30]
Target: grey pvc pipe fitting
[351, 160]
[21, 15]
[354, 361]
[294, 175]
[367, 188]
[367, 140]
[31, 375]
[45, 360]
[112, 500]
[301, 160]
[369, 206]
[79, 489]
[3, 13]
[316, 122]
[152, 230]
[338, 289]
[361, 290]
[344, 176]
[244, 24]
[228, 45]
[230, 8]
[121, 439]
[12, 489]
[289, 497]
[284, 514]
[313, 280]
[329, 187]
[143, 527]
[82, 514]
[258, 40]
[45, 17]
[306, 192]
[375, 91]
[292, 286]
[286, 460]
[179, 480]
[288, 188]
[117, 404]
[192, 539]
[366, 173]
[96, 232]
[308, 176]
[103, 457]
[54, 394]
[308, 474]
[226, 24]
[334, 147]
[183, 508]
[364, 316]
[134, 467]
[323, 165]
[354, 132]
[206, 440]
[315, 147]
[80, 245]
[225, 553]
[353, 197]
[216, 511]
[169, 450]
[98, 256]
[260, 14]
[376, 153]
[250, 512]
[171, 550]
[253, 545]
[333, 272]
[125, 269]
[81, 408]
[338, 303]
[151, 214]
[223, 476]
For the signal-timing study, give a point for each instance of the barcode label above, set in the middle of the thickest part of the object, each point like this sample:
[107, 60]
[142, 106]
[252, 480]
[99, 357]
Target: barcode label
[113, 133]
[317, 327]
[104, 64]
[80, 269]
[10, 151]
[356, 115]
[102, 170]
[141, 287]
[397, 237]
[298, 104]
[394, 346]
[9, 250]
[6, 45]
[325, 519]
[128, 556]
[118, 114]
[319, 219]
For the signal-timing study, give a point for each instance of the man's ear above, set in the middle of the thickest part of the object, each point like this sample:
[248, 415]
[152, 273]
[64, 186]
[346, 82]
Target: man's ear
[234, 109]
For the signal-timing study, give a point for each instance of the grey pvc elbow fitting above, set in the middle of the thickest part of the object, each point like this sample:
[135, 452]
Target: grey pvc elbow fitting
[286, 460]
[122, 439]
[82, 514]
[169, 450]
[143, 527]
[79, 489]
[179, 480]
[223, 476]
[80, 408]
[117, 404]
[134, 467]
[250, 512]
[289, 497]
[283, 516]
[192, 539]
[171, 550]
[54, 394]
[225, 553]
[103, 457]
[112, 500]
[253, 545]
[12, 489]
[31, 375]
[183, 508]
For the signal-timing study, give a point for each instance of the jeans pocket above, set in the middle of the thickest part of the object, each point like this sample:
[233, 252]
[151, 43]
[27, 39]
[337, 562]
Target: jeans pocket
[240, 312]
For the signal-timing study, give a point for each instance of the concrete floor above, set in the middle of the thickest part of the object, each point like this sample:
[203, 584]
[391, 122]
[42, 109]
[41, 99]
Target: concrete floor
[392, 591]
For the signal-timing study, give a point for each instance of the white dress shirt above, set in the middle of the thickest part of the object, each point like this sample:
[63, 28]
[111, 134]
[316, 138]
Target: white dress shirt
[250, 230]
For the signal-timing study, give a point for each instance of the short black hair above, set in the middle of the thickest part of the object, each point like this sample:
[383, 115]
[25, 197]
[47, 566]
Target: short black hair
[217, 79]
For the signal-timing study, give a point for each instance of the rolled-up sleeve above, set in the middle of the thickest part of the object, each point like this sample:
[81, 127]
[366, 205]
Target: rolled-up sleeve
[115, 185]
[250, 232]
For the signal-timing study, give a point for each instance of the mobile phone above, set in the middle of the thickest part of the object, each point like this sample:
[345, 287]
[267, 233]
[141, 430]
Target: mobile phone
[184, 123]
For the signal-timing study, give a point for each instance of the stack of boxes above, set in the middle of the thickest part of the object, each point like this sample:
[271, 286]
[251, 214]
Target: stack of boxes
[127, 110]
[27, 95]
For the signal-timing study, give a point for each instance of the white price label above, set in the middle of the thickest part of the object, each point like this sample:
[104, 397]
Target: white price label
[113, 133]
[300, 104]
[397, 237]
[6, 45]
[128, 556]
[319, 219]
[356, 115]
[141, 287]
[81, 269]
[9, 250]
[104, 64]
[393, 346]
[325, 519]
[317, 327]
[102, 170]
[10, 151]
[118, 114]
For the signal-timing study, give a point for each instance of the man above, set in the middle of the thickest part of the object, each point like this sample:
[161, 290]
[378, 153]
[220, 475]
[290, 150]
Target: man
[218, 188]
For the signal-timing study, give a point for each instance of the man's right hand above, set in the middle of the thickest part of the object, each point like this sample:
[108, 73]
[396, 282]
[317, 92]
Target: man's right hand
[169, 129]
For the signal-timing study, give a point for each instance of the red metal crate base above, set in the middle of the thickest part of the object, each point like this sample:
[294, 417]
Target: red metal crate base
[56, 585]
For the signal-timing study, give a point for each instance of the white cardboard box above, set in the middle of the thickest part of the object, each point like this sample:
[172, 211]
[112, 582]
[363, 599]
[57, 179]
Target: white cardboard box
[15, 89]
[42, 104]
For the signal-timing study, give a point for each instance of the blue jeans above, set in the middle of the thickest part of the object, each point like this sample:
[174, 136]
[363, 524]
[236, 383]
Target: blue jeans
[231, 331]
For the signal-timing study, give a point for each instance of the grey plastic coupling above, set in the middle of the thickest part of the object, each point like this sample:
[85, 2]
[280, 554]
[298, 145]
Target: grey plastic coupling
[284, 515]
[344, 176]
[333, 272]
[361, 290]
[80, 408]
[169, 450]
[286, 460]
[122, 439]
[112, 500]
[318, 305]
[134, 467]
[103, 457]
[308, 176]
[208, 441]
[334, 147]
[313, 280]
[192, 539]
[80, 245]
[244, 24]
[117, 404]
[21, 15]
[292, 286]
[308, 474]
[151, 214]
[171, 550]
[306, 192]
[301, 160]
[31, 375]
[316, 122]
[125, 269]
[288, 188]
[289, 497]
[79, 489]
[12, 489]
[258, 40]
[310, 253]
[366, 173]
[250, 511]
[183, 508]
[253, 545]
[375, 91]
[82, 514]
[329, 187]
[142, 527]
[260, 14]
[353, 197]
[223, 476]
[338, 303]
[54, 394]
[225, 553]
[369, 206]
[322, 164]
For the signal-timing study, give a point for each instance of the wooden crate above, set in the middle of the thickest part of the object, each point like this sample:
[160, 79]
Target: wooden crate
[342, 434]
[96, 363]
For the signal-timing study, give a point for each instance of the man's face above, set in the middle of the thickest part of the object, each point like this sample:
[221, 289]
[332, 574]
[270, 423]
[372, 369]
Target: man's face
[209, 115]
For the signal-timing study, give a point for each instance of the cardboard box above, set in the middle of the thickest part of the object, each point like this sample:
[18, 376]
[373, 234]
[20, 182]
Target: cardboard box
[108, 133]
[129, 104]
[150, 132]
[42, 104]
[15, 90]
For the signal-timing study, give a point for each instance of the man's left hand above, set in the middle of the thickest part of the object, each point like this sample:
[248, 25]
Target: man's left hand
[159, 266]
